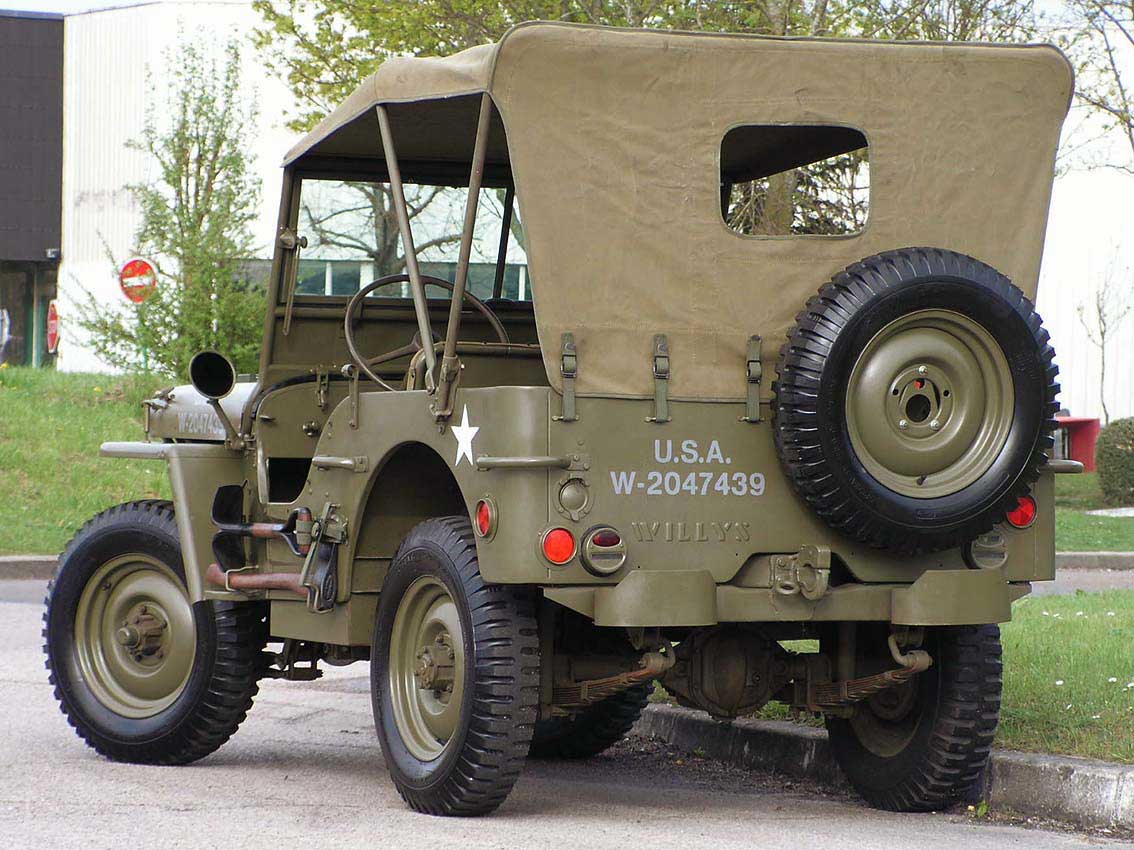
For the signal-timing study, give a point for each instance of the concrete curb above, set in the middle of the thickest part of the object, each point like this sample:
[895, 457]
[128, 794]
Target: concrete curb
[1094, 560]
[1082, 792]
[27, 566]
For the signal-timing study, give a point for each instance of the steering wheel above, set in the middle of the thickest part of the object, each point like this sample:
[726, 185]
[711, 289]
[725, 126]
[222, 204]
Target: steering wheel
[367, 364]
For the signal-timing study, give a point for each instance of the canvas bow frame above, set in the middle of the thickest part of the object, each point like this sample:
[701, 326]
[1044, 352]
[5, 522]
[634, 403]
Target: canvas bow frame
[442, 384]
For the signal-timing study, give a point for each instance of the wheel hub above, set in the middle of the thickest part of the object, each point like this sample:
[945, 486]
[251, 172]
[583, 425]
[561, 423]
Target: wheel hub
[135, 635]
[143, 633]
[434, 670]
[920, 402]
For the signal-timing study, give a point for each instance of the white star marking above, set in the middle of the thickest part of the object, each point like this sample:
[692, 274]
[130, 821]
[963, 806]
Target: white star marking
[465, 434]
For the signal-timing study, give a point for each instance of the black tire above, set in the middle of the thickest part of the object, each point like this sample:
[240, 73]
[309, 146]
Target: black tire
[935, 754]
[480, 762]
[815, 366]
[591, 731]
[226, 665]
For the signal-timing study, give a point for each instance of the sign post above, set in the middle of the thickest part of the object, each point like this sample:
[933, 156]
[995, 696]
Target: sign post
[138, 280]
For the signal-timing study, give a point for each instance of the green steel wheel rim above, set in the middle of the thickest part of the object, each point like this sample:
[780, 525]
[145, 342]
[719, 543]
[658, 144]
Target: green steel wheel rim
[135, 636]
[886, 722]
[427, 668]
[930, 403]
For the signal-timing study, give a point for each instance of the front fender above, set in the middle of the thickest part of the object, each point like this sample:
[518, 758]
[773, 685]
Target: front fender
[196, 470]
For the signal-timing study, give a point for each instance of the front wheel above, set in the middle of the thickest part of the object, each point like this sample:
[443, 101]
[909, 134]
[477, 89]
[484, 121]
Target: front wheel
[454, 674]
[142, 673]
[924, 745]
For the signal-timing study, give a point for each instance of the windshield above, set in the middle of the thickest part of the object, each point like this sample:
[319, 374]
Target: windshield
[353, 239]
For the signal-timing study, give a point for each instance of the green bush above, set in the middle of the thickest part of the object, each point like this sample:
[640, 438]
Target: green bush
[1114, 455]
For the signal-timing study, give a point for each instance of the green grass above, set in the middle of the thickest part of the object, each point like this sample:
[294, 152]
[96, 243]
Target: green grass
[1077, 532]
[1061, 654]
[51, 425]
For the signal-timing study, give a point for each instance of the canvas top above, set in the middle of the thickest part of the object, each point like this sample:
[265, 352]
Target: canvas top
[614, 140]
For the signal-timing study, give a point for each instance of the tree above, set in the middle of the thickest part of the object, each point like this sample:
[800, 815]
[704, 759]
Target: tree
[325, 48]
[195, 225]
[1101, 318]
[1103, 47]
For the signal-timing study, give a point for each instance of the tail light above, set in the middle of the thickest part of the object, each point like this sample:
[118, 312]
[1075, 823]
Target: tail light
[484, 518]
[558, 546]
[603, 553]
[1024, 514]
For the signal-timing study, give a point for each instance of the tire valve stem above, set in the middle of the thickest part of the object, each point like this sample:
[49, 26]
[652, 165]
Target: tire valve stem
[921, 479]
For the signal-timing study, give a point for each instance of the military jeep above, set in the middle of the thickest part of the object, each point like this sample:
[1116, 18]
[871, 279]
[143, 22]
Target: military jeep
[548, 411]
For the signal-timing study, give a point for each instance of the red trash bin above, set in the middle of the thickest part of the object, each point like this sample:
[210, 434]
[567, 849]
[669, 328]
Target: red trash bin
[1082, 434]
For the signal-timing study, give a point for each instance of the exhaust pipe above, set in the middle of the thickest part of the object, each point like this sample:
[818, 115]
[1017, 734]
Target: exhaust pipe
[234, 580]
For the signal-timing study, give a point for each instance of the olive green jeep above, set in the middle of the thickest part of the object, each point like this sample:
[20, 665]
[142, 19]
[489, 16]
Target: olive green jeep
[525, 438]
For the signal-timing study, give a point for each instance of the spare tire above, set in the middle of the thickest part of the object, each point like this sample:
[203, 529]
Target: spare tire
[915, 399]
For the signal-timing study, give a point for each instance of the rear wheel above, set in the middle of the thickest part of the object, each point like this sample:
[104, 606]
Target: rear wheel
[591, 731]
[143, 674]
[924, 745]
[454, 674]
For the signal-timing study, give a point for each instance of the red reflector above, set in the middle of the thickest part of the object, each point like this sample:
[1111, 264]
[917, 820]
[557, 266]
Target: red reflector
[559, 546]
[483, 518]
[606, 537]
[1024, 514]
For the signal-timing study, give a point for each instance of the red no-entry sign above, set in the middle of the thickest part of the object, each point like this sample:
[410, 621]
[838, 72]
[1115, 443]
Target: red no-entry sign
[138, 279]
[52, 327]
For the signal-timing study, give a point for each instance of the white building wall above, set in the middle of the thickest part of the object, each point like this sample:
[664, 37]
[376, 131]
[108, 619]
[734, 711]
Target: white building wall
[1090, 235]
[113, 60]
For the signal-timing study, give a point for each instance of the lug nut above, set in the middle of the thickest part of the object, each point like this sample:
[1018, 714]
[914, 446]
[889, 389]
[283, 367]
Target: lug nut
[934, 424]
[921, 370]
[903, 424]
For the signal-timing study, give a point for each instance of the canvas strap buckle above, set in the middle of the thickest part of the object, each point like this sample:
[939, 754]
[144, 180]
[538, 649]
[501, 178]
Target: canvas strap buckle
[661, 380]
[569, 368]
[754, 374]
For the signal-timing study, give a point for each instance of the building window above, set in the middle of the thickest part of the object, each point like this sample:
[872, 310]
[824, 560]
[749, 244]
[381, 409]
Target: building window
[795, 180]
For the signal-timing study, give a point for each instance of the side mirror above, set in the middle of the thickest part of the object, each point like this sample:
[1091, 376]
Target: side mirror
[212, 374]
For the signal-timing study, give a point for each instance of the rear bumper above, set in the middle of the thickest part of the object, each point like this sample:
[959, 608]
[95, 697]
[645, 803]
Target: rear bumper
[692, 598]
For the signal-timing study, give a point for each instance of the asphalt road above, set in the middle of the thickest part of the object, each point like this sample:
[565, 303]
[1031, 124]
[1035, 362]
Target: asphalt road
[305, 771]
